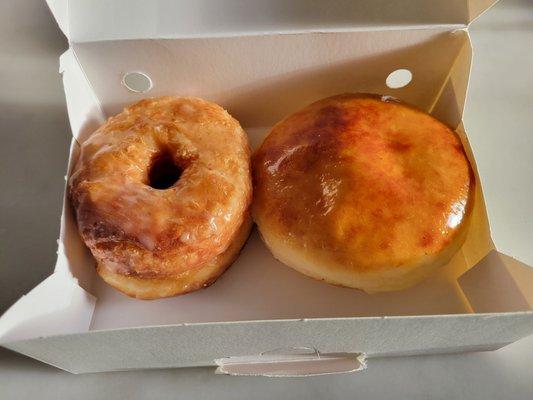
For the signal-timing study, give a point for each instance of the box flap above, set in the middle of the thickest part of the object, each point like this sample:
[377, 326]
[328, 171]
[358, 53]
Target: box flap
[503, 158]
[478, 7]
[190, 345]
[56, 306]
[59, 9]
[96, 20]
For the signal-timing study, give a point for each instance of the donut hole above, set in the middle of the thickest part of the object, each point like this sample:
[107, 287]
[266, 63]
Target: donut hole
[163, 172]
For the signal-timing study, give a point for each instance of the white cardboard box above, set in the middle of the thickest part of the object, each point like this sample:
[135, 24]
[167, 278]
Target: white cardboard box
[262, 60]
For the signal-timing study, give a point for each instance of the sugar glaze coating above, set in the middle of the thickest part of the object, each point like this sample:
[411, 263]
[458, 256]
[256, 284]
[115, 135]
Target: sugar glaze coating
[137, 231]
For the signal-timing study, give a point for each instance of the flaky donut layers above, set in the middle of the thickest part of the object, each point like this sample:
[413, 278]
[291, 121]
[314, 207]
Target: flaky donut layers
[139, 224]
[362, 191]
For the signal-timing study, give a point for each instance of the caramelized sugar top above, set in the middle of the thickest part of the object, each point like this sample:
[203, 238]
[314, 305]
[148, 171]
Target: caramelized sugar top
[368, 181]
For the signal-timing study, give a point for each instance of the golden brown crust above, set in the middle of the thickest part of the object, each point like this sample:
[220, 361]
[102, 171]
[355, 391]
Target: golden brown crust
[362, 191]
[135, 230]
[188, 281]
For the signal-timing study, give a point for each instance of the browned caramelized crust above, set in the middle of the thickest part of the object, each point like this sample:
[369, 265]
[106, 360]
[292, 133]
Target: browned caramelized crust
[136, 226]
[363, 192]
[188, 281]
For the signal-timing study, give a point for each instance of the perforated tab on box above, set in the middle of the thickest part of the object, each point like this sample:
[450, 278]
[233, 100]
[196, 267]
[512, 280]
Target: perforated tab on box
[292, 362]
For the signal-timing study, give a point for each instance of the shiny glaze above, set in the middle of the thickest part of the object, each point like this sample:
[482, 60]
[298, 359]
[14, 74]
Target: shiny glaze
[367, 181]
[135, 230]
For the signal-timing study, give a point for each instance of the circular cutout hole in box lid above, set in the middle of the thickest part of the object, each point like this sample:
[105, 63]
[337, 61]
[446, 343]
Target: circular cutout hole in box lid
[399, 78]
[137, 82]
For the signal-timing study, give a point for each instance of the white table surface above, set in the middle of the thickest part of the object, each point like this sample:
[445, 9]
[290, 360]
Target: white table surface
[33, 149]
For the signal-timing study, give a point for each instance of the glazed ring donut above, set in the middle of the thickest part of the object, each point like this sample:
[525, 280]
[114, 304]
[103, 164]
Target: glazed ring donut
[162, 194]
[363, 192]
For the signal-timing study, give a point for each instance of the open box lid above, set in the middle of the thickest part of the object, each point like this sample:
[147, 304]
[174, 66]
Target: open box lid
[96, 20]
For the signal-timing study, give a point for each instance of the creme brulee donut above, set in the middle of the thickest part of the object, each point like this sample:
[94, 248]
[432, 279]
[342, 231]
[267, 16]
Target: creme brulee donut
[162, 194]
[364, 192]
